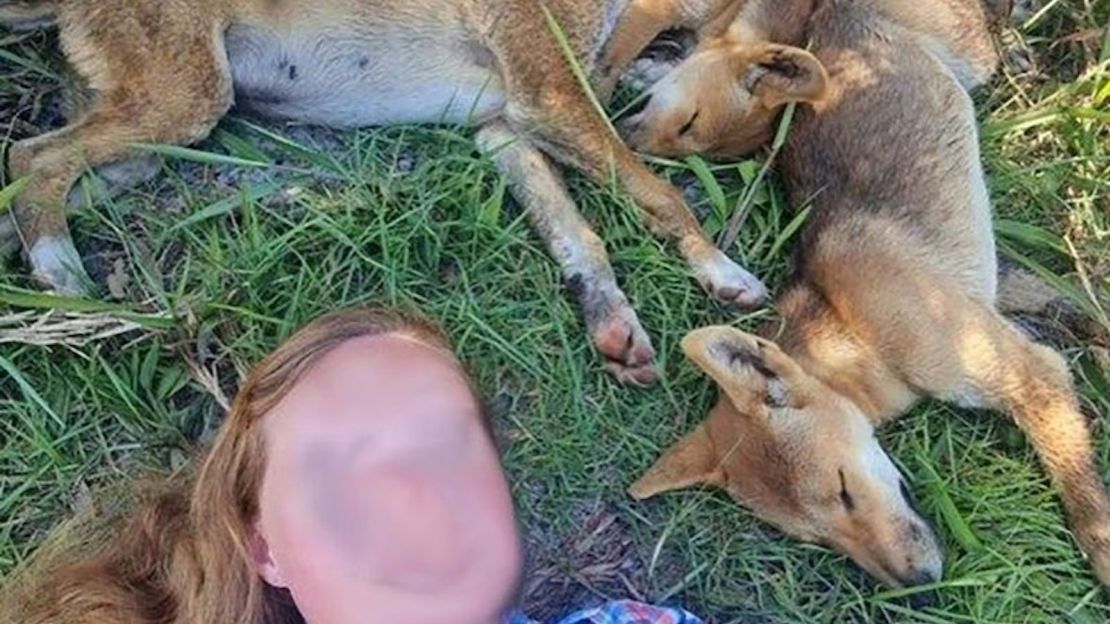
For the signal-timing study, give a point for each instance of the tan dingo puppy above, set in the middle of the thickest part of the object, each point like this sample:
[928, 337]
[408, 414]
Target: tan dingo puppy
[166, 72]
[895, 300]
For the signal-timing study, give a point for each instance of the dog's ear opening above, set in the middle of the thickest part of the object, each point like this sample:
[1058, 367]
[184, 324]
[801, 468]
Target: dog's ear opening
[780, 74]
[750, 370]
[690, 461]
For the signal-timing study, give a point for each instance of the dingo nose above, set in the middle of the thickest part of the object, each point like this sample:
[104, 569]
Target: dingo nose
[923, 577]
[924, 599]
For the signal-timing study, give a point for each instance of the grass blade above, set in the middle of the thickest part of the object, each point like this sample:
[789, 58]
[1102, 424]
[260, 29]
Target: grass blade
[576, 67]
[740, 213]
[18, 298]
[709, 182]
[953, 519]
[788, 232]
[8, 193]
[28, 390]
[1031, 235]
[200, 156]
[247, 195]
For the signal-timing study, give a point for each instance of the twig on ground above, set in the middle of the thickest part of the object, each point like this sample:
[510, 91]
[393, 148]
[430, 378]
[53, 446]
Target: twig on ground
[70, 329]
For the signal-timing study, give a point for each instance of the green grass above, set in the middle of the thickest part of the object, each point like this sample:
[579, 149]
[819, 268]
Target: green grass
[212, 265]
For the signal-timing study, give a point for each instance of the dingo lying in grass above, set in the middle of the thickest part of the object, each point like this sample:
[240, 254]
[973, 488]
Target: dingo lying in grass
[894, 300]
[166, 72]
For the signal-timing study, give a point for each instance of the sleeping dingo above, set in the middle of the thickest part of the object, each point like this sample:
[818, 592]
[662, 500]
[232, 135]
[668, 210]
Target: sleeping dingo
[896, 298]
[166, 72]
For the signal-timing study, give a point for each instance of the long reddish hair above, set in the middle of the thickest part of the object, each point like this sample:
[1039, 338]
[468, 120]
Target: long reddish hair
[179, 552]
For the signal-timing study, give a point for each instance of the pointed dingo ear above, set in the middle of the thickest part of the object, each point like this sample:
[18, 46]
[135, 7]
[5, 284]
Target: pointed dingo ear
[749, 369]
[691, 461]
[780, 74]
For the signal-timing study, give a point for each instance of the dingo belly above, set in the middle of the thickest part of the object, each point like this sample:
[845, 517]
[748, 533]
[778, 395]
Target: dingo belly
[342, 77]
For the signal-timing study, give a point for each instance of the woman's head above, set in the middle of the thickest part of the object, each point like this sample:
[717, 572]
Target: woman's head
[353, 480]
[355, 471]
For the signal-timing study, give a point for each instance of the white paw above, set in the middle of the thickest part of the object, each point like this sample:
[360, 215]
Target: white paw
[730, 283]
[56, 265]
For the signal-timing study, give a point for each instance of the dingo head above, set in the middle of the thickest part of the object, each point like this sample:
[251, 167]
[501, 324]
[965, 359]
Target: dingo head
[723, 99]
[800, 456]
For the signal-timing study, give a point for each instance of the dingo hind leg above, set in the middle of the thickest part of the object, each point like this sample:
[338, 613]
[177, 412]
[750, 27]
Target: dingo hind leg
[159, 75]
[1035, 387]
[998, 367]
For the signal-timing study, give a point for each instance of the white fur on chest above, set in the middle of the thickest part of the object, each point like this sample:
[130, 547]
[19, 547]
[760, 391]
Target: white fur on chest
[345, 78]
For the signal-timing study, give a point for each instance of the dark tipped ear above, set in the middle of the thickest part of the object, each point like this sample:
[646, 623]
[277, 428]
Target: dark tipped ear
[779, 74]
[747, 368]
[691, 461]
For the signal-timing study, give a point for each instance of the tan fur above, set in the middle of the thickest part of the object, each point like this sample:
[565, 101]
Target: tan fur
[724, 98]
[894, 301]
[166, 72]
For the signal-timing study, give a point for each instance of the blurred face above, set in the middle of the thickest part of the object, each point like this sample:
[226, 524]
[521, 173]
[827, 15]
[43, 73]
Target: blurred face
[383, 498]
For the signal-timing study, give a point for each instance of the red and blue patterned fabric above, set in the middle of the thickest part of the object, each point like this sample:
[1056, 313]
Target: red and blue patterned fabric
[621, 612]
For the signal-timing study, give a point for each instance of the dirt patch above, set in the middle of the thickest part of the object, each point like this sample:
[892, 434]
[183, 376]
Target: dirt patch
[596, 562]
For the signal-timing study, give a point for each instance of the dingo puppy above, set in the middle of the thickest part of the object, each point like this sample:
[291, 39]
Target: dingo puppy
[894, 301]
[166, 72]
